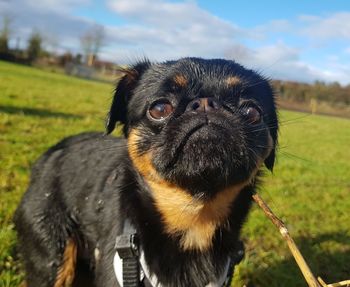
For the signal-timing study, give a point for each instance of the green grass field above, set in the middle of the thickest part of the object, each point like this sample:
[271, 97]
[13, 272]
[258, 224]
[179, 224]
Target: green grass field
[309, 190]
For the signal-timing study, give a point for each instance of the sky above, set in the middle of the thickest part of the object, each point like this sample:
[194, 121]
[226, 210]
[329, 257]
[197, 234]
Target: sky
[303, 40]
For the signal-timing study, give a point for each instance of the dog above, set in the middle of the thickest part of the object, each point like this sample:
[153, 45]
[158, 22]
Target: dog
[170, 197]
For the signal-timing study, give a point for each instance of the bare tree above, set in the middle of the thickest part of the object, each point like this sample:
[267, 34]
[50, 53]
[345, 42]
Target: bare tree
[91, 43]
[52, 42]
[34, 46]
[5, 33]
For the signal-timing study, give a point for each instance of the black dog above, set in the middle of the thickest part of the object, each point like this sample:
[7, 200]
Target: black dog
[197, 132]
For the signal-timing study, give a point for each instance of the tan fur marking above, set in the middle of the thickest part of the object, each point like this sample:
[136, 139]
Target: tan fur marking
[180, 80]
[65, 274]
[202, 226]
[233, 80]
[196, 220]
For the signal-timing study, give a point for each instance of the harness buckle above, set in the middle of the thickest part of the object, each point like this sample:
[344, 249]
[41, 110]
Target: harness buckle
[127, 246]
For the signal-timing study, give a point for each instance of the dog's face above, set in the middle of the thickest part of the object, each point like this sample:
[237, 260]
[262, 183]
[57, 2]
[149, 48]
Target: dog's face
[201, 125]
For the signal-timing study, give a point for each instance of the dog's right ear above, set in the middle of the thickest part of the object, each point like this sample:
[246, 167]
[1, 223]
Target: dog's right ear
[123, 93]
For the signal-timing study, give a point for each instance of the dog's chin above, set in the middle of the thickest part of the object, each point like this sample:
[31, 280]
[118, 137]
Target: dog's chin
[208, 159]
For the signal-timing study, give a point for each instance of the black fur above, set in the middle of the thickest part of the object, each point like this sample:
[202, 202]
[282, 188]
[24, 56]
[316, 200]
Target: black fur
[85, 186]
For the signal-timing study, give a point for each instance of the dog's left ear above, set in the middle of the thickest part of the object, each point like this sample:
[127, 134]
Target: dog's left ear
[270, 160]
[123, 93]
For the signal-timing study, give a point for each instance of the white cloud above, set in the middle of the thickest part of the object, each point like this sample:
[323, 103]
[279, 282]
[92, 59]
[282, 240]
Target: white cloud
[51, 18]
[280, 61]
[175, 15]
[273, 26]
[54, 5]
[276, 61]
[163, 29]
[334, 26]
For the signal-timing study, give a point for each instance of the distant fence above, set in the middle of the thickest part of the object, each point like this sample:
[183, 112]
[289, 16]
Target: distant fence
[79, 70]
[101, 72]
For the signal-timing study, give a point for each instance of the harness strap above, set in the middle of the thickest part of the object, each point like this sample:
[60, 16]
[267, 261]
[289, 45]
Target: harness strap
[127, 253]
[132, 271]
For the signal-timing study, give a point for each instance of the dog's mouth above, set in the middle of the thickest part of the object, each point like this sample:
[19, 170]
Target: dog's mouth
[206, 152]
[178, 149]
[196, 140]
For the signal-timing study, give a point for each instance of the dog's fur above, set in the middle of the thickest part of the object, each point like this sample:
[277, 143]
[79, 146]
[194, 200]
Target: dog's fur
[184, 181]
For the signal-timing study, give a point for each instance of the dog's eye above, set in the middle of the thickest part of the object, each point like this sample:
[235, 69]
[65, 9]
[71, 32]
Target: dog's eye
[252, 115]
[160, 110]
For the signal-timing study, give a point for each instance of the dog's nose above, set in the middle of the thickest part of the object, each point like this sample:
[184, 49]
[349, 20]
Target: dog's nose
[203, 105]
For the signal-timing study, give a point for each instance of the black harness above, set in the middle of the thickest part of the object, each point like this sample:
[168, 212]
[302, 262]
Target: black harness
[127, 247]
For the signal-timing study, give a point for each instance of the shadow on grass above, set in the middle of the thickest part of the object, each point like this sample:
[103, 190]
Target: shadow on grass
[36, 112]
[328, 256]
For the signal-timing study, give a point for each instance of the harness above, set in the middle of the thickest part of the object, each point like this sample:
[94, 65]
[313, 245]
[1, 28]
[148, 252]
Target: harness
[131, 269]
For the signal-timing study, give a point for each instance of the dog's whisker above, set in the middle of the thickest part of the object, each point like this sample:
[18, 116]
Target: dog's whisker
[295, 157]
[253, 152]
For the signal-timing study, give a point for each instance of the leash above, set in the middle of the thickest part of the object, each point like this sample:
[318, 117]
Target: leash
[131, 269]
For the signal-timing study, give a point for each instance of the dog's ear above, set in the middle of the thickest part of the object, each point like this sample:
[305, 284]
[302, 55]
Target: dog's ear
[123, 93]
[270, 160]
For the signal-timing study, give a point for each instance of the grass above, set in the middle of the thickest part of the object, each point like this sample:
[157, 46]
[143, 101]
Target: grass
[309, 189]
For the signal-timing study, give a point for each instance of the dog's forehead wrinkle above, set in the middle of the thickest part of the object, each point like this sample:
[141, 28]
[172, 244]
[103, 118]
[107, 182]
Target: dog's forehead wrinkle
[193, 68]
[203, 78]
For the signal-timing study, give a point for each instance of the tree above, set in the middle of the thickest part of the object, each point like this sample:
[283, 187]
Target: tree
[5, 34]
[77, 59]
[34, 46]
[52, 43]
[66, 58]
[91, 43]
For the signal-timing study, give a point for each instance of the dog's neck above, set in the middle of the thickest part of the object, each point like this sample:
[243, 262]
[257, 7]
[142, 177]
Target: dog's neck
[198, 237]
[194, 220]
[202, 240]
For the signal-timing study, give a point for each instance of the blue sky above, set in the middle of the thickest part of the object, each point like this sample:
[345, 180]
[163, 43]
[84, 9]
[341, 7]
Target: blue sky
[293, 40]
